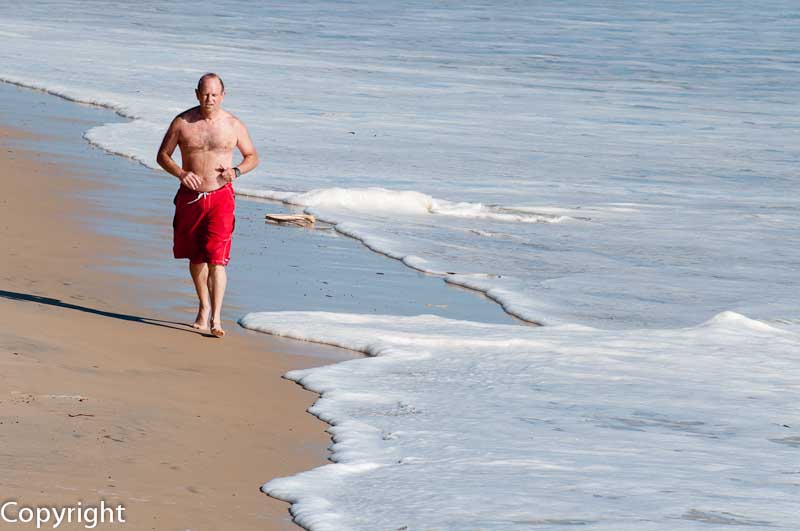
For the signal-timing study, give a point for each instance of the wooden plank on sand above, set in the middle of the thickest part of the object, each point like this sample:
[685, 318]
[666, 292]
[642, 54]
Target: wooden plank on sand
[301, 220]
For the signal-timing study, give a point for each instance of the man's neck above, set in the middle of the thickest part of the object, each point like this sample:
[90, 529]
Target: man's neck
[213, 115]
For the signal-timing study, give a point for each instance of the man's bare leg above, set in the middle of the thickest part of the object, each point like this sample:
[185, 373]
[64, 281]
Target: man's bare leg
[200, 278]
[217, 280]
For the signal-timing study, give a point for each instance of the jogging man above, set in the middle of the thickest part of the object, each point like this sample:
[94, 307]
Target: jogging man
[204, 205]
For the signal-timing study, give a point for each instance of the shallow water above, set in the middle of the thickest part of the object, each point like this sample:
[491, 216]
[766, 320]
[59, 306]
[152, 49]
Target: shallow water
[661, 135]
[273, 268]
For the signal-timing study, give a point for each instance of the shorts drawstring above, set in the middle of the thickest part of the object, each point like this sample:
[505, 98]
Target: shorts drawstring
[203, 195]
[200, 195]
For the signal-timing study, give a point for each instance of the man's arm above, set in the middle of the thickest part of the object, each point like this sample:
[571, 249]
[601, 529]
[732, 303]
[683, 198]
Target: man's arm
[164, 157]
[245, 145]
[246, 148]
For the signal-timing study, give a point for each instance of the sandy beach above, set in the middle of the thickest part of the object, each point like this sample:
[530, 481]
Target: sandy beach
[104, 398]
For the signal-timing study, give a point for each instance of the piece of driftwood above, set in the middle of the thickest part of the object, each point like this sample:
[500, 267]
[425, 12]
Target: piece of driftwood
[299, 220]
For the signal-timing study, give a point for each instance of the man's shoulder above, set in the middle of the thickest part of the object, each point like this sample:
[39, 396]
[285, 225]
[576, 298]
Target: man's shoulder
[234, 120]
[188, 115]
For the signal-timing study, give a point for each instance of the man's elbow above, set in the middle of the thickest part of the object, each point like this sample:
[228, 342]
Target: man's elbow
[163, 159]
[255, 160]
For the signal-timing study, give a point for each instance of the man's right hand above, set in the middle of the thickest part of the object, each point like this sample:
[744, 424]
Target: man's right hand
[190, 180]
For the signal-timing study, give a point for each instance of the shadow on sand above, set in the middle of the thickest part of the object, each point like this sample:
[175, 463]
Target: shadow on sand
[184, 327]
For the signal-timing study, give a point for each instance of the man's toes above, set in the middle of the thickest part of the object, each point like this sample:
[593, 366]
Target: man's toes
[216, 329]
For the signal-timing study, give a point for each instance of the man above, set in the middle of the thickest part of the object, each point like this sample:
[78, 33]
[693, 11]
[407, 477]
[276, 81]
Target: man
[204, 205]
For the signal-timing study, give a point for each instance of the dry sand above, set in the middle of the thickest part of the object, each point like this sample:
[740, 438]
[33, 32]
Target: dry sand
[101, 399]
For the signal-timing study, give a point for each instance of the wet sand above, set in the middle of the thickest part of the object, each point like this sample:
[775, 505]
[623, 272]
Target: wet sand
[104, 397]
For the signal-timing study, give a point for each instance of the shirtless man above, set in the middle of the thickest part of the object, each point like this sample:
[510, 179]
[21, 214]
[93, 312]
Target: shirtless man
[204, 205]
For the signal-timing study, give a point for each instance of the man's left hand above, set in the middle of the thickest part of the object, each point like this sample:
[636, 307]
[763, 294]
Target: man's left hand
[226, 174]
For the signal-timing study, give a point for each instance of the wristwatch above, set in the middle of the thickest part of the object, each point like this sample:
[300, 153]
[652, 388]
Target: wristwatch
[237, 171]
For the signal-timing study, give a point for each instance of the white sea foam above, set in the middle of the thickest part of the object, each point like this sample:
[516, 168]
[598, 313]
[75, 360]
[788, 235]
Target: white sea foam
[463, 425]
[398, 203]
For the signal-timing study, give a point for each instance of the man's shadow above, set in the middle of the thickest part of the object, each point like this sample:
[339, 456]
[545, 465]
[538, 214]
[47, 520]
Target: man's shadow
[184, 327]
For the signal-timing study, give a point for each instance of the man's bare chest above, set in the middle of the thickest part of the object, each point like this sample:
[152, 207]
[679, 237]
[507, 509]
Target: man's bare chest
[204, 137]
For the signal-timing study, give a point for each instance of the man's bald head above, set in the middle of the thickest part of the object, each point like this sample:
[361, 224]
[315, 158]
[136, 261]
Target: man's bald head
[210, 92]
[208, 77]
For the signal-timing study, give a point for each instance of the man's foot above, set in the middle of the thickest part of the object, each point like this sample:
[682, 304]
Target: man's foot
[216, 329]
[201, 322]
[199, 326]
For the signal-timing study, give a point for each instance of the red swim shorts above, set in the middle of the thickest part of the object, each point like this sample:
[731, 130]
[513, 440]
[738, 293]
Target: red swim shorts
[203, 225]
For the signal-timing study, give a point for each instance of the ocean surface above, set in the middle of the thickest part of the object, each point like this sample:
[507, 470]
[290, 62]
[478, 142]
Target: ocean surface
[624, 174]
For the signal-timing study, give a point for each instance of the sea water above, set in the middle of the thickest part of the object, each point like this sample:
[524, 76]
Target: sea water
[623, 174]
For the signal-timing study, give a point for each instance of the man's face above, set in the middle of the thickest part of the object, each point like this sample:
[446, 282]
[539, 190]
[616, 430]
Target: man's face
[210, 95]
